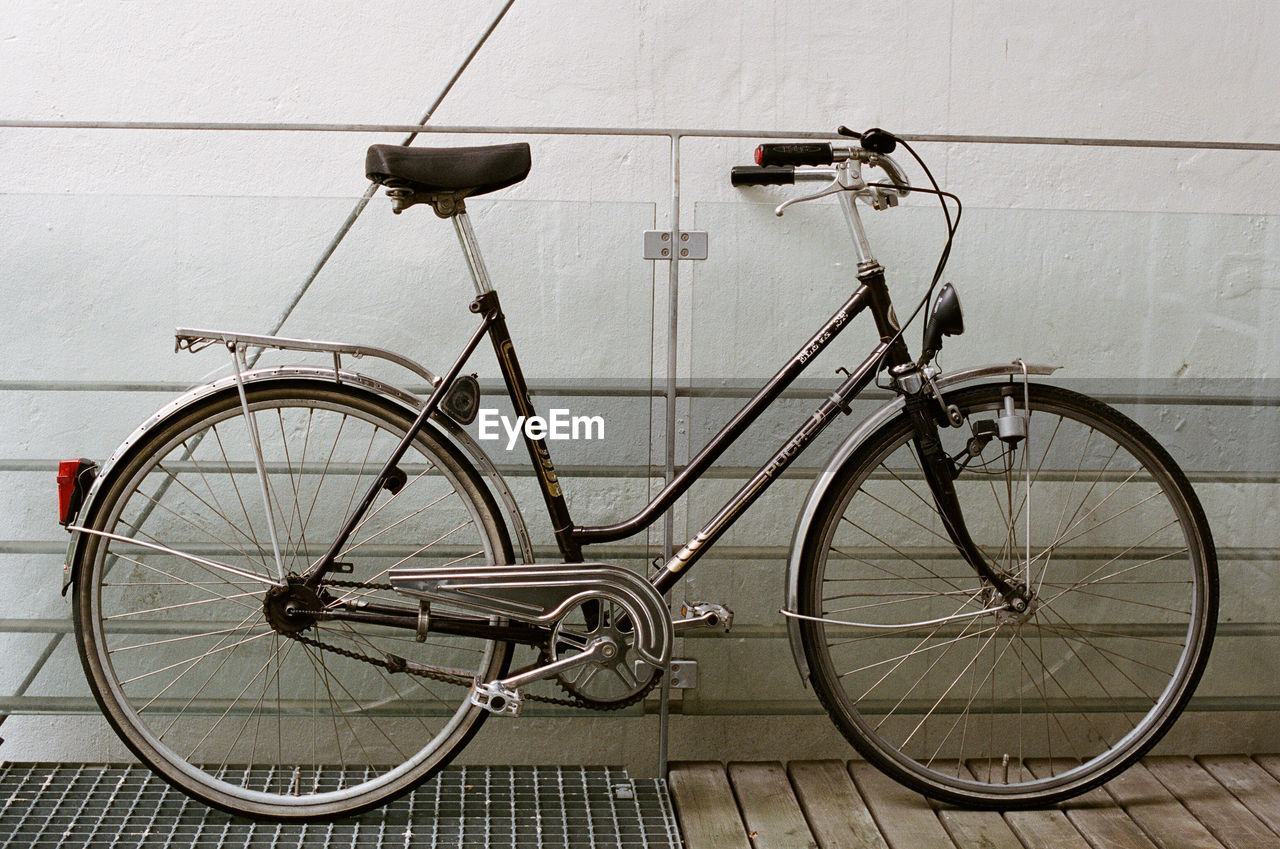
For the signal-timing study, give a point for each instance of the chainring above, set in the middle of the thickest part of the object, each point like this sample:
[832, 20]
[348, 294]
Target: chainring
[606, 685]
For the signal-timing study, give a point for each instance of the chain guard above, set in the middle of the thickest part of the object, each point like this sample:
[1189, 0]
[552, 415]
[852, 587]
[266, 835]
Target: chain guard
[395, 664]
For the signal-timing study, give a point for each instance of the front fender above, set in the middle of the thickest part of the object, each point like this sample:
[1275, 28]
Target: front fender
[822, 482]
[328, 375]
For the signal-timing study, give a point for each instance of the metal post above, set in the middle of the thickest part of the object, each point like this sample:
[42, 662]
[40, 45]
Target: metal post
[669, 462]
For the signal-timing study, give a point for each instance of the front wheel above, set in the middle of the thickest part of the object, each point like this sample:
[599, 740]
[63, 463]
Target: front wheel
[235, 686]
[931, 675]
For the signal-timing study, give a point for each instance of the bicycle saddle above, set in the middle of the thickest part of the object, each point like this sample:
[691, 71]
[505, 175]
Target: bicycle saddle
[452, 172]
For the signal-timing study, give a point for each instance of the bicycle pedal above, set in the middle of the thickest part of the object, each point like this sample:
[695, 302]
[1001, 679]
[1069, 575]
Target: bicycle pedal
[496, 698]
[704, 614]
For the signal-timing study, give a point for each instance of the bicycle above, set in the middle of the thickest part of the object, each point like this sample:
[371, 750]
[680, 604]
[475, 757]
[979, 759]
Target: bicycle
[296, 595]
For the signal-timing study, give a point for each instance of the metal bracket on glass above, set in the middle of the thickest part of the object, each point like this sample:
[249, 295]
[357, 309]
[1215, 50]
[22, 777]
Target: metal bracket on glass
[686, 244]
[683, 674]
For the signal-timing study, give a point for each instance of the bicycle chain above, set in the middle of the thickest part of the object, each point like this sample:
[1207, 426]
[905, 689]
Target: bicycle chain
[449, 678]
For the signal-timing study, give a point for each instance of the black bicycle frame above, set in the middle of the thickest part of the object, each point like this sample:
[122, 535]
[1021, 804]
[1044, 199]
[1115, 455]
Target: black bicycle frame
[871, 293]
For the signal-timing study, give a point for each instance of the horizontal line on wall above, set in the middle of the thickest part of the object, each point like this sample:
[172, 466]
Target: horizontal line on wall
[692, 706]
[549, 553]
[543, 553]
[632, 471]
[785, 707]
[1236, 392]
[215, 705]
[720, 552]
[298, 127]
[615, 388]
[748, 632]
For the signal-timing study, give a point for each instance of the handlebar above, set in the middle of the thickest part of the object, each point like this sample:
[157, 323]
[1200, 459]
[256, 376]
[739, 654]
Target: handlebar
[776, 164]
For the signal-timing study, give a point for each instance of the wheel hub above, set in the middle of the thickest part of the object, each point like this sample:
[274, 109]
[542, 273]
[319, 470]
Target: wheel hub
[1008, 614]
[291, 609]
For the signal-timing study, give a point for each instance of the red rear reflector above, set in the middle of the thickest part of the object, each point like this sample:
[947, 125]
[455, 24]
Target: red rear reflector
[760, 154]
[74, 476]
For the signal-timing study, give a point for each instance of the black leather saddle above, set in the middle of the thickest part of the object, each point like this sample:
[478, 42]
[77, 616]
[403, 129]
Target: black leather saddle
[443, 176]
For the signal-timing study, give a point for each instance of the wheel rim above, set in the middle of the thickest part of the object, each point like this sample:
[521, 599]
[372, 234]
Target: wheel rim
[1069, 691]
[232, 708]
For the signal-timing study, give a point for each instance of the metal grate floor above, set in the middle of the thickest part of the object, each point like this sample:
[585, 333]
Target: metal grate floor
[83, 805]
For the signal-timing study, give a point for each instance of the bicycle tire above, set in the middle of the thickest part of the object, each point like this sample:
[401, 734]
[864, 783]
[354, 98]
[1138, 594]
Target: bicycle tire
[995, 709]
[168, 644]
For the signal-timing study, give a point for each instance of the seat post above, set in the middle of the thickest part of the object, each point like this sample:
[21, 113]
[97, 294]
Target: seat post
[471, 249]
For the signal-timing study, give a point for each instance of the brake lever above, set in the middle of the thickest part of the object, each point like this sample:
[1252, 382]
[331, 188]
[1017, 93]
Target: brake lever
[834, 187]
[848, 178]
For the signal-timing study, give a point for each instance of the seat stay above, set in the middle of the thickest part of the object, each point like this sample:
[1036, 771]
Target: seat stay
[316, 572]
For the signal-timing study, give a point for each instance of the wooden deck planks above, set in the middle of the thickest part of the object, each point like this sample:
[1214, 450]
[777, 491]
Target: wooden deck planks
[1251, 784]
[1036, 828]
[1164, 819]
[705, 806]
[976, 829]
[905, 818]
[1095, 815]
[1048, 828]
[1271, 763]
[1211, 803]
[1217, 802]
[837, 814]
[769, 807]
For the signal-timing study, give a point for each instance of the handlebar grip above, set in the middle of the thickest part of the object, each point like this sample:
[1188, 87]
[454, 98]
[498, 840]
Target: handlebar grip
[818, 153]
[773, 175]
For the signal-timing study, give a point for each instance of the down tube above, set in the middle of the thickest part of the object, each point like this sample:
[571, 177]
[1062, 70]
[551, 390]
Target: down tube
[754, 488]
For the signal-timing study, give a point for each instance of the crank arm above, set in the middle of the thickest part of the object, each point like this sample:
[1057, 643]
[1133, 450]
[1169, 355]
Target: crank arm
[537, 673]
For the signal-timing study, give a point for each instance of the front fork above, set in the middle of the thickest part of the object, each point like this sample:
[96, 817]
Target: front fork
[920, 405]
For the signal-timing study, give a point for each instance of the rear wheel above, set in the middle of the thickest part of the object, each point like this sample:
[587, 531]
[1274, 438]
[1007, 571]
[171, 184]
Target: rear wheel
[229, 685]
[929, 673]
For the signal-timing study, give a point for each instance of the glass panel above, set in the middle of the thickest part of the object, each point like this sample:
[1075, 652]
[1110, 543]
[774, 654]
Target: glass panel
[101, 282]
[1172, 318]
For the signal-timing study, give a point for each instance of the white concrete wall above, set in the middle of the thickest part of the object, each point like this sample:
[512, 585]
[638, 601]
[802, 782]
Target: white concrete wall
[1176, 70]
[1118, 262]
